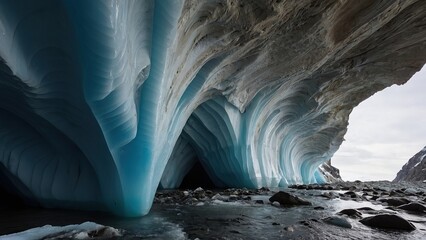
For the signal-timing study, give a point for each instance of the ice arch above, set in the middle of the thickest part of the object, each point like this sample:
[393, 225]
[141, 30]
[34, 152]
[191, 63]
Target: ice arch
[95, 94]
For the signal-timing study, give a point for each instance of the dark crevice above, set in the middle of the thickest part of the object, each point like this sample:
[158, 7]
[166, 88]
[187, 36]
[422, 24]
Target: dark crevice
[14, 195]
[197, 177]
[9, 199]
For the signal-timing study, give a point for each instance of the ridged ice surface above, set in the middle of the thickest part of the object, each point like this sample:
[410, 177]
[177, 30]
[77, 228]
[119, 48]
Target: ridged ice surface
[99, 98]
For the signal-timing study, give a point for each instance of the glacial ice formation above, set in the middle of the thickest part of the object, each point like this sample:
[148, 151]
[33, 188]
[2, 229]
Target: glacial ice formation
[99, 98]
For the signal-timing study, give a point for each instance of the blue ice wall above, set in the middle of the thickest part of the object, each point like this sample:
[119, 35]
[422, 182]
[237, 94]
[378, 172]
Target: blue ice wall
[102, 101]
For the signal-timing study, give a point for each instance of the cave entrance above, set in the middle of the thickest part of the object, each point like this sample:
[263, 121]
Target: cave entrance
[384, 132]
[197, 177]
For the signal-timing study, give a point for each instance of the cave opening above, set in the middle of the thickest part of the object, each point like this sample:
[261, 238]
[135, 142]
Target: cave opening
[197, 177]
[385, 131]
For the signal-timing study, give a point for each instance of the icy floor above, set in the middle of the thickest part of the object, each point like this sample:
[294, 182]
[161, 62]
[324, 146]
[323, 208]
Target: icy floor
[87, 230]
[247, 220]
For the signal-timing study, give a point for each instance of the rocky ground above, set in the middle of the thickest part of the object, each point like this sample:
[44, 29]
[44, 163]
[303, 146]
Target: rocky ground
[343, 210]
[394, 203]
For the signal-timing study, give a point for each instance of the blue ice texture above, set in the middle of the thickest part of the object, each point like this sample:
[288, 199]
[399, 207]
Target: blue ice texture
[99, 106]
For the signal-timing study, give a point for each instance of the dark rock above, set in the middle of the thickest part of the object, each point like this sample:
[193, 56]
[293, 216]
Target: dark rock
[388, 221]
[365, 209]
[397, 193]
[374, 198]
[102, 233]
[306, 223]
[351, 213]
[413, 207]
[368, 210]
[338, 221]
[228, 191]
[275, 223]
[351, 194]
[233, 198]
[329, 195]
[395, 201]
[246, 192]
[296, 186]
[259, 201]
[287, 199]
[319, 208]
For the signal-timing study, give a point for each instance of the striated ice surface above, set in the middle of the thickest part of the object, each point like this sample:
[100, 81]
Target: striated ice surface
[103, 101]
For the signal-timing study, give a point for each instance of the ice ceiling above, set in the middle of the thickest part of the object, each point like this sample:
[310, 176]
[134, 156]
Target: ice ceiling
[100, 101]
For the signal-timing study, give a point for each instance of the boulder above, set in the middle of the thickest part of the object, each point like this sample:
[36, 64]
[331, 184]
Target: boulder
[319, 208]
[287, 199]
[413, 207]
[388, 221]
[351, 213]
[395, 201]
[338, 221]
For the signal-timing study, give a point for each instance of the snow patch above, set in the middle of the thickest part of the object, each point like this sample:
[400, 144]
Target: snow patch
[87, 230]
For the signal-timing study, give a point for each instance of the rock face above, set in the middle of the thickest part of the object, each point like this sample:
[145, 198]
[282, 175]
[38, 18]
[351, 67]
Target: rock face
[414, 170]
[99, 98]
[330, 173]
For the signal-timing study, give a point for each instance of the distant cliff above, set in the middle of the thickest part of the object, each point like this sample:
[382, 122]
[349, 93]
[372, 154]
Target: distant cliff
[331, 173]
[414, 169]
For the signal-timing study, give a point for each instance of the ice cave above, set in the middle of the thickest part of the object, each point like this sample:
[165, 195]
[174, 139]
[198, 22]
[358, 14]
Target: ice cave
[102, 102]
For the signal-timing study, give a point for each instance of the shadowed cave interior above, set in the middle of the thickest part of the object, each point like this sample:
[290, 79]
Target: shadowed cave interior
[10, 198]
[197, 177]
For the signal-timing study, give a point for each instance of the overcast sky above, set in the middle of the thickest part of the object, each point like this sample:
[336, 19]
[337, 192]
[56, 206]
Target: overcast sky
[384, 132]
